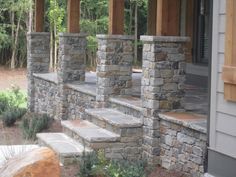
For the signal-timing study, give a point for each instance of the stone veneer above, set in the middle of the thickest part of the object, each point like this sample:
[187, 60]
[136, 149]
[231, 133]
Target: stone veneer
[114, 66]
[71, 66]
[162, 87]
[183, 146]
[46, 92]
[38, 58]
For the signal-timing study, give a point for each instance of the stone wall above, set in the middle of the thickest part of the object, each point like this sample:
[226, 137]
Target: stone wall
[38, 56]
[46, 94]
[182, 148]
[114, 66]
[77, 102]
[162, 86]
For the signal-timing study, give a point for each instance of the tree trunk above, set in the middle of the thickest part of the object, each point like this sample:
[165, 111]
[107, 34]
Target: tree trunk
[13, 58]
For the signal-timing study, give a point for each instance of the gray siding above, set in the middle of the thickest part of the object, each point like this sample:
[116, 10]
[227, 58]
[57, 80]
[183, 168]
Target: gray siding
[223, 113]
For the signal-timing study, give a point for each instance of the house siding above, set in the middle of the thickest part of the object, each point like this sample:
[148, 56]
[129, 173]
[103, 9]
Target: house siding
[223, 113]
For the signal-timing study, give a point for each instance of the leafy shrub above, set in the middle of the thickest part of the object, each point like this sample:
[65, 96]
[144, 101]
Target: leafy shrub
[12, 99]
[96, 165]
[10, 116]
[34, 123]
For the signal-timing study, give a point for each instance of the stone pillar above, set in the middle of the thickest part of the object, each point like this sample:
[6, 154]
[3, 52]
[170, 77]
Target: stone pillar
[162, 86]
[114, 66]
[38, 58]
[71, 65]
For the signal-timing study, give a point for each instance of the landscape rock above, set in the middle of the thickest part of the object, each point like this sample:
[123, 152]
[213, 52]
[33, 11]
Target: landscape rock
[40, 162]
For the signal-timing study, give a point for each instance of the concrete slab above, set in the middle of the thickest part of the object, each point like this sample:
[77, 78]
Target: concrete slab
[7, 152]
[63, 144]
[114, 117]
[90, 132]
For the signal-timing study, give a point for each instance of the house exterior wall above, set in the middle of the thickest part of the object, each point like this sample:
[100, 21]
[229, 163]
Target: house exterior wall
[222, 135]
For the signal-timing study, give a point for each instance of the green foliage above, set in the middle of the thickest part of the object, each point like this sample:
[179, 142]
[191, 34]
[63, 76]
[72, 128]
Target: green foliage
[93, 165]
[11, 115]
[34, 123]
[14, 98]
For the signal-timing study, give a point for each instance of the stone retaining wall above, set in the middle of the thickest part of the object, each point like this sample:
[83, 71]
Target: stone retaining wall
[78, 102]
[46, 94]
[182, 148]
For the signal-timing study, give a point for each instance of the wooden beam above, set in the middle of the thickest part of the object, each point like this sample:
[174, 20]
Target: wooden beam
[152, 15]
[39, 15]
[168, 18]
[116, 16]
[73, 18]
[230, 48]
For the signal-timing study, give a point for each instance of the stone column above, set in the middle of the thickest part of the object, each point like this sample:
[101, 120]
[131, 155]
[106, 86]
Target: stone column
[71, 65]
[114, 66]
[162, 86]
[38, 58]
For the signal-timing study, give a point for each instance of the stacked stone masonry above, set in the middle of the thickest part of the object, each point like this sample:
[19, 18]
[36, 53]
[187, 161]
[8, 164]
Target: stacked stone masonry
[114, 66]
[162, 86]
[182, 148]
[38, 57]
[163, 142]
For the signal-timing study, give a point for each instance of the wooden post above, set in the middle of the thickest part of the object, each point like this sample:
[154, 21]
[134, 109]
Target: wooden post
[116, 16]
[73, 10]
[168, 18]
[39, 15]
[152, 15]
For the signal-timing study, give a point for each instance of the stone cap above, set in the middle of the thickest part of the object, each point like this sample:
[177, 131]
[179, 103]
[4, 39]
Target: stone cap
[73, 35]
[193, 121]
[38, 33]
[50, 77]
[121, 37]
[176, 39]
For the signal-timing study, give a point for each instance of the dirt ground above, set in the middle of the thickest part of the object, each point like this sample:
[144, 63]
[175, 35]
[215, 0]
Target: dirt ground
[15, 77]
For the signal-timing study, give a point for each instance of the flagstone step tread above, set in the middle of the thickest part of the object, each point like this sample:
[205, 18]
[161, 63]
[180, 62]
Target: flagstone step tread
[63, 144]
[114, 117]
[90, 132]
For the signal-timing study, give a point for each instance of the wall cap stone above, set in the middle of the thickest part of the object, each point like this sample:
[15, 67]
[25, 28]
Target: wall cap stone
[38, 34]
[177, 39]
[73, 35]
[122, 37]
[189, 124]
[80, 88]
[51, 77]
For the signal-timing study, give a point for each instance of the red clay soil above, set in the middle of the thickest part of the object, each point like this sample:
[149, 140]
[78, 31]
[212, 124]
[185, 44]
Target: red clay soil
[15, 77]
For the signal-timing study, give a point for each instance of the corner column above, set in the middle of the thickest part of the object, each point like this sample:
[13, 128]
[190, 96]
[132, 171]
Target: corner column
[71, 65]
[162, 86]
[114, 66]
[38, 59]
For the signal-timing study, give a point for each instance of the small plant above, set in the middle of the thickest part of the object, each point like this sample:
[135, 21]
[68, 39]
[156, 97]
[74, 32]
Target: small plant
[96, 165]
[10, 116]
[34, 123]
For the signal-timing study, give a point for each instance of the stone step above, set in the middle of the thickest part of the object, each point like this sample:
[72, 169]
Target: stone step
[113, 120]
[67, 149]
[88, 133]
[129, 105]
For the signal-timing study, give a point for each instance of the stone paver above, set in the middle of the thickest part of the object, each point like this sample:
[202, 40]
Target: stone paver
[114, 117]
[90, 132]
[63, 144]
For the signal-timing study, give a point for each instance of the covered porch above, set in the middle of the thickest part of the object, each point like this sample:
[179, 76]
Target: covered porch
[156, 114]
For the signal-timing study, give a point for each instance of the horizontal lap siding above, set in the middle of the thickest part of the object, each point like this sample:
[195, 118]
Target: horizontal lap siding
[223, 113]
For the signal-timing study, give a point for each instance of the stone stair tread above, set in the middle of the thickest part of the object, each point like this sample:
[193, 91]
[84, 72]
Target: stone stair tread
[115, 117]
[63, 144]
[90, 132]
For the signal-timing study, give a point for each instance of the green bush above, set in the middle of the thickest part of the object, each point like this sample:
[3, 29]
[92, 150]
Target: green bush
[11, 99]
[11, 115]
[34, 123]
[96, 165]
